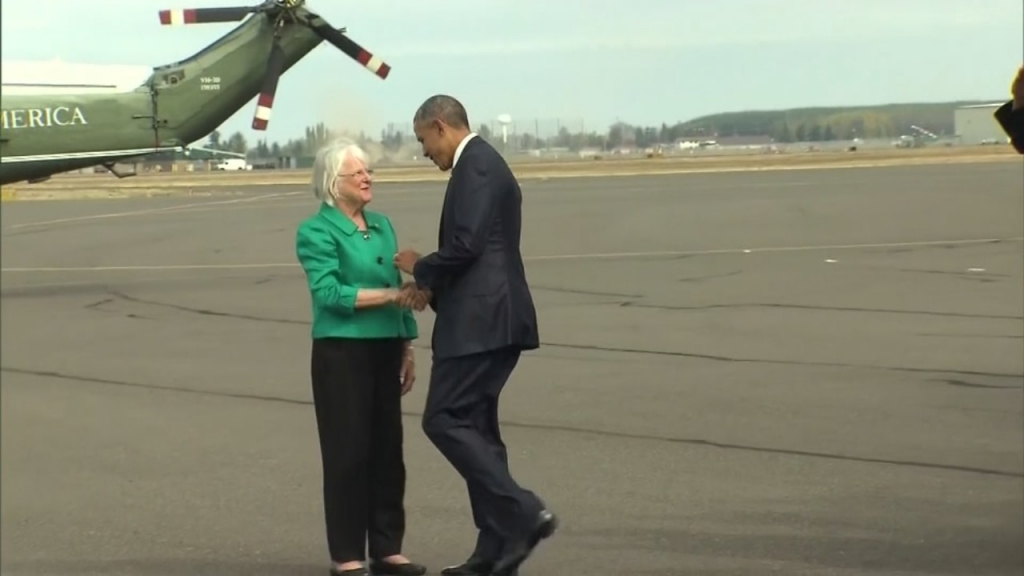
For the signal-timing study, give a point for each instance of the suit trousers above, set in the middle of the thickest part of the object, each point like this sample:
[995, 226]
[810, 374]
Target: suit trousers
[461, 420]
[357, 398]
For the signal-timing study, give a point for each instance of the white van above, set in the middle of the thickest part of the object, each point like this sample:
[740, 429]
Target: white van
[232, 164]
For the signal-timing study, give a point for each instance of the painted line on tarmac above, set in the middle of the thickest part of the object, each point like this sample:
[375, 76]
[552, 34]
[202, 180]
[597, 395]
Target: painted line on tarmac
[148, 211]
[271, 204]
[595, 256]
[274, 200]
[15, 287]
[773, 249]
[156, 191]
[289, 200]
[168, 189]
[154, 268]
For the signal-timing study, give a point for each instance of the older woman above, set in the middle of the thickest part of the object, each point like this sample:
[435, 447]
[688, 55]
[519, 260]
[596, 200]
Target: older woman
[362, 365]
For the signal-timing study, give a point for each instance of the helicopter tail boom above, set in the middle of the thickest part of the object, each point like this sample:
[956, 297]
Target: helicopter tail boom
[283, 13]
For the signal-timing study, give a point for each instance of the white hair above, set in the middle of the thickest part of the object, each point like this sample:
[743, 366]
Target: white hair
[329, 163]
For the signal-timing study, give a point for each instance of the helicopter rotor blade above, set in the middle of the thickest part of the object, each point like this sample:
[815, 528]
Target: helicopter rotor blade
[265, 101]
[180, 16]
[349, 47]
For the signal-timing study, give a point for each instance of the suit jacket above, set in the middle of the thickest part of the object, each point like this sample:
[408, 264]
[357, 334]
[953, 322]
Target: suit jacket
[481, 296]
[1012, 122]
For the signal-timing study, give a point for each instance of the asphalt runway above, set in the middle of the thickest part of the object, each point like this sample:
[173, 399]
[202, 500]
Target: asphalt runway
[687, 413]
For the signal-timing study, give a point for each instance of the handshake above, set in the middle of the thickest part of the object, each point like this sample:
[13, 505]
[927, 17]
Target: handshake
[409, 296]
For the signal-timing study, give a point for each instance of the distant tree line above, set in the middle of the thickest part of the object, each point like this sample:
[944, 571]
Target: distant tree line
[314, 137]
[795, 125]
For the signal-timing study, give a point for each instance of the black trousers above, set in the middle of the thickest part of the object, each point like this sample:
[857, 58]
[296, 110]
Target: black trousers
[461, 419]
[357, 396]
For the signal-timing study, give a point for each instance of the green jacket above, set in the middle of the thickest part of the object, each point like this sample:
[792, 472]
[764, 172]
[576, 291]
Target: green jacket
[338, 260]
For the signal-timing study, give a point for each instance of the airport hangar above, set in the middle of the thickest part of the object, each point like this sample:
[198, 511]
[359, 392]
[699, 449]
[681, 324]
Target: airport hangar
[975, 124]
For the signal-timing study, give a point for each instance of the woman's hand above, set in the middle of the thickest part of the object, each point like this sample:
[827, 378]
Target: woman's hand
[412, 297]
[408, 369]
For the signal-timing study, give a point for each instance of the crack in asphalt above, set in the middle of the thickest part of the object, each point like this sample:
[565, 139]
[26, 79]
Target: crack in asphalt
[615, 349]
[538, 426]
[821, 308]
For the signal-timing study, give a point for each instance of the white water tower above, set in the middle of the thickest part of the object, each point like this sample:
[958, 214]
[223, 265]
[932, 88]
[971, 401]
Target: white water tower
[504, 120]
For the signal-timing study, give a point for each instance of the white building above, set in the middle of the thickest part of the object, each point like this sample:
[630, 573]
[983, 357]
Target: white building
[976, 125]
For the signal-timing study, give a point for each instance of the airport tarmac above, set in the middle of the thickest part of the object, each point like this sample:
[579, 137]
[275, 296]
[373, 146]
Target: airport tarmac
[686, 414]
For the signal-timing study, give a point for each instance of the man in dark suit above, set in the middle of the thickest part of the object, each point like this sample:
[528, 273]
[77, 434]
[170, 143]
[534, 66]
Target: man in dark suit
[1011, 115]
[485, 319]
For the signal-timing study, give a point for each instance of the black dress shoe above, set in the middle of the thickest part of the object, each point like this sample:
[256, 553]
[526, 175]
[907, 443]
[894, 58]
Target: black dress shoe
[517, 553]
[471, 567]
[392, 569]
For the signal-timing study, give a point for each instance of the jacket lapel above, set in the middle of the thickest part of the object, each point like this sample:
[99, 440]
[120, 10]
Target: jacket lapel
[448, 191]
[337, 219]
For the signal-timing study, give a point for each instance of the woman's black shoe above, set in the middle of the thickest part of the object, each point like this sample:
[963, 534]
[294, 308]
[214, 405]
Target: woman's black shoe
[380, 568]
[350, 572]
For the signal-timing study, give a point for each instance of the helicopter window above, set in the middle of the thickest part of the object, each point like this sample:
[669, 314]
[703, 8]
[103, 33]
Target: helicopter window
[172, 78]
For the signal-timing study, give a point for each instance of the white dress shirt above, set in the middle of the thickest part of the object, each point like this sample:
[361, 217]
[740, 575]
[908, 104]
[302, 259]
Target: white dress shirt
[461, 147]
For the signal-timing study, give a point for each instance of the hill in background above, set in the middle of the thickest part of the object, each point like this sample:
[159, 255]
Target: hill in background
[835, 123]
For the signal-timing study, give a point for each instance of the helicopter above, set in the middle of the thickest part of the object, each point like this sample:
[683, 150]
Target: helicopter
[44, 133]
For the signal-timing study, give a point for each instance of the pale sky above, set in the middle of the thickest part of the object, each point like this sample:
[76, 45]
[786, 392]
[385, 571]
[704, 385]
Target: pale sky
[582, 62]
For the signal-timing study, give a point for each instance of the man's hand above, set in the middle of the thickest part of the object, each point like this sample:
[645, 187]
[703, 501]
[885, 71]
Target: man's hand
[406, 259]
[1017, 89]
[412, 297]
[408, 375]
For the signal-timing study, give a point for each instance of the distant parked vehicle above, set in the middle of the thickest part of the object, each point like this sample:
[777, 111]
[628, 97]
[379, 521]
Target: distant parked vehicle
[232, 164]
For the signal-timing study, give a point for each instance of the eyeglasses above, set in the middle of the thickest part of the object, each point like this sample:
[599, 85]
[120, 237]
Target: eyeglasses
[359, 174]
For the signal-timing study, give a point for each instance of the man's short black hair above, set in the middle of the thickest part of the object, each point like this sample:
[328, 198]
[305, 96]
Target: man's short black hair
[444, 108]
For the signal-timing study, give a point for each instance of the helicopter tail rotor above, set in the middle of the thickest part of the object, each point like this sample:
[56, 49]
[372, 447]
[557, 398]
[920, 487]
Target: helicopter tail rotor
[181, 16]
[275, 65]
[348, 46]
